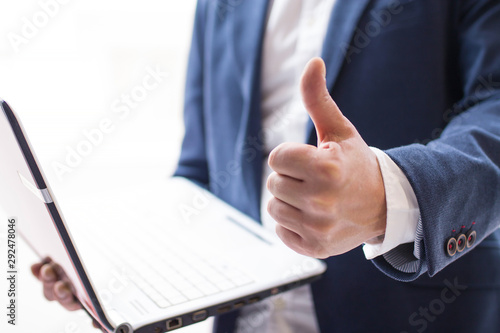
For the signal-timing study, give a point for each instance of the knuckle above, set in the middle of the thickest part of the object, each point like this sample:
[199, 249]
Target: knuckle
[313, 250]
[307, 249]
[314, 230]
[277, 210]
[287, 237]
[282, 153]
[271, 207]
[278, 185]
[49, 294]
[318, 233]
[280, 231]
[47, 273]
[321, 236]
[315, 204]
[317, 250]
[274, 155]
[320, 205]
[327, 170]
[271, 181]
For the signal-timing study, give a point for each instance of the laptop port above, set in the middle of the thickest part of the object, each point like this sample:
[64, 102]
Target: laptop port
[174, 324]
[253, 300]
[200, 315]
[239, 304]
[223, 309]
[124, 328]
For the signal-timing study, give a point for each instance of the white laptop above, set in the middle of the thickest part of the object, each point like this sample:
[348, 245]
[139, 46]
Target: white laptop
[149, 260]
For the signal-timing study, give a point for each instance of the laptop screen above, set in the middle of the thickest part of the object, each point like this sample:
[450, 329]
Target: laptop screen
[25, 196]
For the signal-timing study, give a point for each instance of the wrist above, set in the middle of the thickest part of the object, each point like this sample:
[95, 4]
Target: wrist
[380, 225]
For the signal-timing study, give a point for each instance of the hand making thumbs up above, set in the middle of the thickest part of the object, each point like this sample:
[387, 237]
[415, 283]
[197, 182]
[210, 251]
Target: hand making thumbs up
[327, 199]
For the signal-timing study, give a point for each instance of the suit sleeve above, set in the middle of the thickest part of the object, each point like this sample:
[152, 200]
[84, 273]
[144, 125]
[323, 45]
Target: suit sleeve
[192, 162]
[456, 178]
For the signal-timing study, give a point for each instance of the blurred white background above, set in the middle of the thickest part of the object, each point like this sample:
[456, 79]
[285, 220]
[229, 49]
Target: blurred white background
[67, 66]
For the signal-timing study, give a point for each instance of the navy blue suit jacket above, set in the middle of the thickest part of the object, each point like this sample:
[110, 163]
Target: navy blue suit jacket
[419, 79]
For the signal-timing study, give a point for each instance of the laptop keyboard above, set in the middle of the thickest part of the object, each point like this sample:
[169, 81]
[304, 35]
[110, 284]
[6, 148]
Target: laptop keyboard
[186, 276]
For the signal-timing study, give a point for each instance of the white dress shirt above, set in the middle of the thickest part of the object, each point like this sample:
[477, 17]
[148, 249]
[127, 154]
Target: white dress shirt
[294, 34]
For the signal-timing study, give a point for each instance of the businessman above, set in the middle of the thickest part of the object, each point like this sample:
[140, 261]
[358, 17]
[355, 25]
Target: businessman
[420, 81]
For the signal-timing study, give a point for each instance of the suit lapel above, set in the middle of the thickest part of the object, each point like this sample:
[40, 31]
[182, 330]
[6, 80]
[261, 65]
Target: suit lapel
[345, 17]
[247, 28]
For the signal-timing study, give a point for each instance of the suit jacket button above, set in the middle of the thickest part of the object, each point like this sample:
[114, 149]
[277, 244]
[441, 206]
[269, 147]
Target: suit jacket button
[461, 242]
[451, 246]
[471, 238]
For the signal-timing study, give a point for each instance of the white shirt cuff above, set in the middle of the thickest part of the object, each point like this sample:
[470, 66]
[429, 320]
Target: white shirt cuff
[402, 208]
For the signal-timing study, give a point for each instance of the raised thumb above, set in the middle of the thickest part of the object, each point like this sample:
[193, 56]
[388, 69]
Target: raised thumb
[330, 123]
